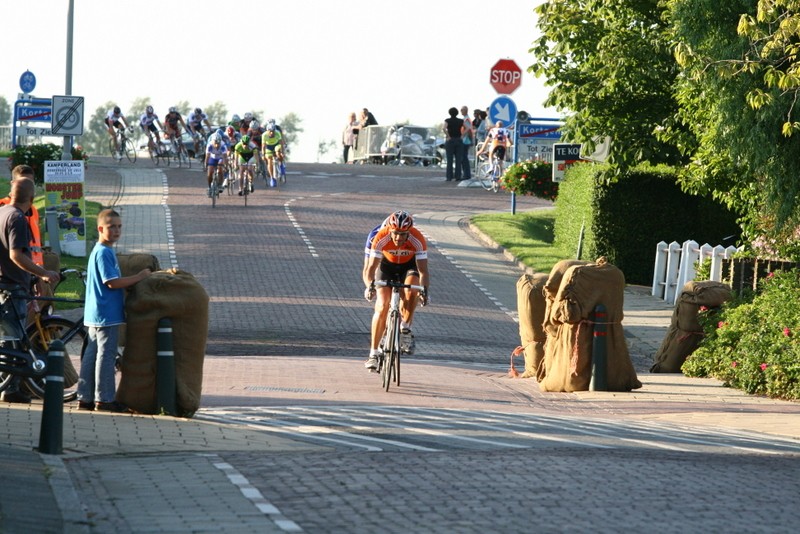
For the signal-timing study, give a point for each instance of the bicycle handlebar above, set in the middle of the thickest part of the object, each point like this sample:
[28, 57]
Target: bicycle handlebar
[398, 285]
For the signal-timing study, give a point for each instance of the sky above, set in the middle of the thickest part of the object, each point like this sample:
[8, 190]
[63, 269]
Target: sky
[320, 59]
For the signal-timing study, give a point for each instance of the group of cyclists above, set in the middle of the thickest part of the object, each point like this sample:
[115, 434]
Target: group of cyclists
[240, 147]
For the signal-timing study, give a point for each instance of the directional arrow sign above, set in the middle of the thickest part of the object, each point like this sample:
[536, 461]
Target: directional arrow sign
[503, 109]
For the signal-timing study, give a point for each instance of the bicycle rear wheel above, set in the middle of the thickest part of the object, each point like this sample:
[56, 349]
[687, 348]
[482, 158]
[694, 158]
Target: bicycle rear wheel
[73, 337]
[484, 175]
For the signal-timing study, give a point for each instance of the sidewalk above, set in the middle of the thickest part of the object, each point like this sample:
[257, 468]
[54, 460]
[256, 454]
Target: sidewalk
[190, 488]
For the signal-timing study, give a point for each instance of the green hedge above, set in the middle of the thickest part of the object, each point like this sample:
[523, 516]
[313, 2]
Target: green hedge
[624, 220]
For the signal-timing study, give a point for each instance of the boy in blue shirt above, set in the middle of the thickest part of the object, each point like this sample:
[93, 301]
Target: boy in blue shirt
[103, 312]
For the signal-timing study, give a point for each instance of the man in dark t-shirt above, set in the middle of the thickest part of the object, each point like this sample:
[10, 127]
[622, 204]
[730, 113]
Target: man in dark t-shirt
[453, 146]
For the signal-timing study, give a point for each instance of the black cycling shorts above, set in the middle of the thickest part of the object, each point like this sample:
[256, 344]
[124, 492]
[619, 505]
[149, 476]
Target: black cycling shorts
[396, 272]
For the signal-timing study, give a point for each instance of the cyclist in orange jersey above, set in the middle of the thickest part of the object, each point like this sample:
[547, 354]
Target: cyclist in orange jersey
[398, 252]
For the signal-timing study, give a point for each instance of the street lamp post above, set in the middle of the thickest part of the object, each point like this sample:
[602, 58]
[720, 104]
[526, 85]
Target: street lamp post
[66, 153]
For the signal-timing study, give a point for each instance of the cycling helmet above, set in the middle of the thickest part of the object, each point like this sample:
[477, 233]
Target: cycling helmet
[229, 131]
[198, 111]
[271, 126]
[117, 110]
[217, 139]
[220, 132]
[149, 110]
[400, 221]
[271, 122]
[236, 118]
[254, 125]
[248, 116]
[245, 139]
[173, 109]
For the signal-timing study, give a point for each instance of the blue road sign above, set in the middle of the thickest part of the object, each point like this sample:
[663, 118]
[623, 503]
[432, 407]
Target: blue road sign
[34, 114]
[27, 82]
[503, 109]
[540, 131]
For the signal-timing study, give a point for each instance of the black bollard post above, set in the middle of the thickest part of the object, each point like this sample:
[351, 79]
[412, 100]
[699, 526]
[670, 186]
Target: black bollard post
[599, 381]
[165, 369]
[51, 433]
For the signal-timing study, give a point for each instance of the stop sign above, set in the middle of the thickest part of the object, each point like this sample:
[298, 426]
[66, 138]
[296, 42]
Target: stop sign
[506, 76]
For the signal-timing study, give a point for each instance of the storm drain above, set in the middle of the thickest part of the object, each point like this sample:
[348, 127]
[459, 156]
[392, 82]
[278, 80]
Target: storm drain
[285, 390]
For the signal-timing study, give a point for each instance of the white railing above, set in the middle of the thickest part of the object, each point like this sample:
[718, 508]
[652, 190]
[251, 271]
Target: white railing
[5, 137]
[675, 266]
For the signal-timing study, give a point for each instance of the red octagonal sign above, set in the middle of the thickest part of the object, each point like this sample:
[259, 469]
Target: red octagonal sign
[506, 76]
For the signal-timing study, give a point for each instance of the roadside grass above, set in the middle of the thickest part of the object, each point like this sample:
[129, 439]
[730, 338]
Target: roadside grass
[527, 235]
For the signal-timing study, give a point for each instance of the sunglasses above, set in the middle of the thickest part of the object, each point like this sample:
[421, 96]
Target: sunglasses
[400, 234]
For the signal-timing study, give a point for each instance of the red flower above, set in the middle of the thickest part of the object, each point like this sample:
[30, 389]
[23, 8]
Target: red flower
[787, 332]
[734, 364]
[703, 308]
[720, 324]
[763, 366]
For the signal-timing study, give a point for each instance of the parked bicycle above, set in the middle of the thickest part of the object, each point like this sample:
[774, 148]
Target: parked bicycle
[125, 144]
[27, 356]
[489, 173]
[391, 348]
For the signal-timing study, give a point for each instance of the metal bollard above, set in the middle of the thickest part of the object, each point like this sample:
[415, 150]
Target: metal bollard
[165, 369]
[51, 433]
[599, 381]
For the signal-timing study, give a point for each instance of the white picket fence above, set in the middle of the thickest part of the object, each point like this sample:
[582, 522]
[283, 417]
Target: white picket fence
[675, 264]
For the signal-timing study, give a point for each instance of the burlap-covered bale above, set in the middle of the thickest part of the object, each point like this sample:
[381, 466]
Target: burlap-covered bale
[531, 308]
[129, 265]
[685, 333]
[178, 296]
[568, 354]
[551, 290]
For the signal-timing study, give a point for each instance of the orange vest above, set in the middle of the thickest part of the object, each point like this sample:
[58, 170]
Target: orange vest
[35, 245]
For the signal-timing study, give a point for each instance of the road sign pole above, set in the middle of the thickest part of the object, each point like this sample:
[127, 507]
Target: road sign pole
[66, 152]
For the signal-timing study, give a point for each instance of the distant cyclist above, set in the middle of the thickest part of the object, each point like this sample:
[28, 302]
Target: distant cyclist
[216, 155]
[150, 125]
[272, 145]
[398, 252]
[172, 124]
[500, 139]
[196, 119]
[115, 119]
[245, 153]
[244, 125]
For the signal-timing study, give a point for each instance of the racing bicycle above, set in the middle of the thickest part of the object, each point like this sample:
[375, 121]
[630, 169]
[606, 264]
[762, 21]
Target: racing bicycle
[389, 359]
[125, 144]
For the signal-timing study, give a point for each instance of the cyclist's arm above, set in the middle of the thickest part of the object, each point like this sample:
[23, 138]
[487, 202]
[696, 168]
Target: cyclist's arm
[369, 271]
[25, 263]
[422, 267]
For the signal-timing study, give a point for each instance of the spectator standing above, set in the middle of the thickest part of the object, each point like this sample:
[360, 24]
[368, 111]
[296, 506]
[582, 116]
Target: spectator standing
[453, 145]
[103, 313]
[349, 136]
[367, 119]
[468, 138]
[479, 125]
[16, 266]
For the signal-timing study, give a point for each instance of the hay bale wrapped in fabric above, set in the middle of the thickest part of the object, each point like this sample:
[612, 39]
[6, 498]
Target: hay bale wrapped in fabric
[531, 308]
[178, 296]
[685, 332]
[551, 290]
[129, 265]
[568, 354]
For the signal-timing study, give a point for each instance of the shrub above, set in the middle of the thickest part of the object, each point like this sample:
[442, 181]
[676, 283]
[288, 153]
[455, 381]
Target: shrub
[36, 155]
[533, 177]
[751, 343]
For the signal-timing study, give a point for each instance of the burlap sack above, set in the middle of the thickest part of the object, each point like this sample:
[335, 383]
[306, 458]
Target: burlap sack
[177, 295]
[531, 308]
[551, 289]
[568, 354]
[685, 333]
[129, 265]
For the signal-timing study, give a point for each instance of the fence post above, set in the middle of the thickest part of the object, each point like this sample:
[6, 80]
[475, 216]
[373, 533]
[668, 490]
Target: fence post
[51, 433]
[660, 270]
[599, 381]
[673, 266]
[165, 369]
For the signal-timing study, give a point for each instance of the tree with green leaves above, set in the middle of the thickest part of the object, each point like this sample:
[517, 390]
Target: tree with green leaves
[610, 69]
[738, 97]
[217, 113]
[5, 112]
[290, 125]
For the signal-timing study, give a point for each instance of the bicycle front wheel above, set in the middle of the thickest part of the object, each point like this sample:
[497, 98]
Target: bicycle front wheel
[112, 148]
[391, 361]
[73, 336]
[130, 150]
